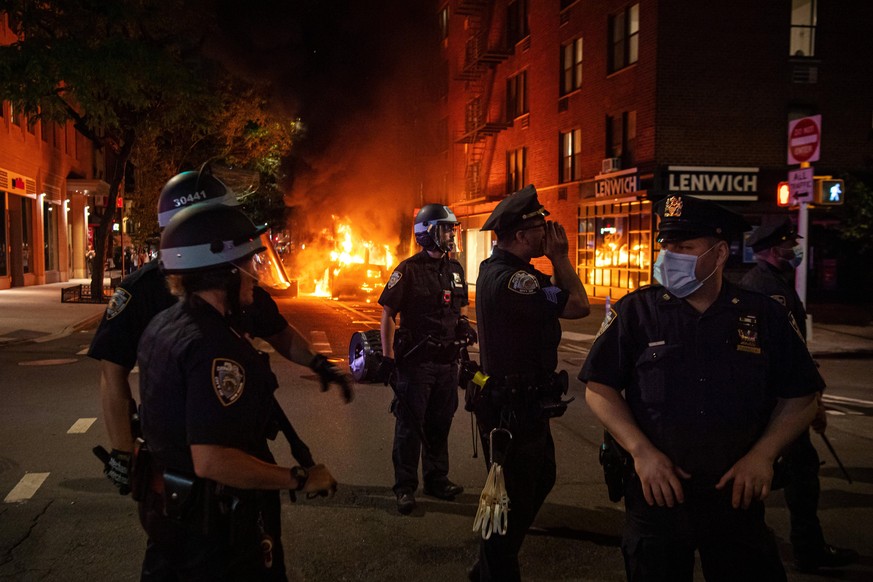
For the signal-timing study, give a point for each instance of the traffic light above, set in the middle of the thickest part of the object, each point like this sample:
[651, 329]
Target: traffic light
[829, 192]
[783, 194]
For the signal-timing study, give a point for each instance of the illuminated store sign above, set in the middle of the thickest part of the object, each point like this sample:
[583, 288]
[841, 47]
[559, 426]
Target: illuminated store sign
[618, 183]
[714, 182]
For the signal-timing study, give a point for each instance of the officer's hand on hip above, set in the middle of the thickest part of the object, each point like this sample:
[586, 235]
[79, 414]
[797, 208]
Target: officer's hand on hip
[329, 374]
[117, 470]
[556, 244]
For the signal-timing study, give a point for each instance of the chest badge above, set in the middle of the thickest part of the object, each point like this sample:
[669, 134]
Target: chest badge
[747, 330]
[523, 283]
[228, 380]
[456, 279]
[117, 302]
[394, 279]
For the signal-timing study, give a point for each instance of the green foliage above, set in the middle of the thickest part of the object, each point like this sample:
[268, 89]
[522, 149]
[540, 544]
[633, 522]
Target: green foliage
[857, 224]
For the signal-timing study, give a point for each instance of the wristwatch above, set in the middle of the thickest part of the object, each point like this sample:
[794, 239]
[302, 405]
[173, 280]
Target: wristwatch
[300, 475]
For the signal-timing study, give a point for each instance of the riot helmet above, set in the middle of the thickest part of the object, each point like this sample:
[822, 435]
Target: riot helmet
[433, 223]
[189, 188]
[208, 237]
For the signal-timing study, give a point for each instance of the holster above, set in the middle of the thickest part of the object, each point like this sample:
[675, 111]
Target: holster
[615, 463]
[141, 470]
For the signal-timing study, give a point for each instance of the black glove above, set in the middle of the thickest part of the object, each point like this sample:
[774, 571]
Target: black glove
[117, 469]
[386, 369]
[465, 331]
[330, 374]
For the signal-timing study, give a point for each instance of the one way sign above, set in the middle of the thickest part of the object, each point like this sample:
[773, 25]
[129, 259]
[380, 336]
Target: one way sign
[801, 185]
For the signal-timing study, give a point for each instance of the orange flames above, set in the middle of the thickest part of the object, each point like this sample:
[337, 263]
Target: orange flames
[342, 261]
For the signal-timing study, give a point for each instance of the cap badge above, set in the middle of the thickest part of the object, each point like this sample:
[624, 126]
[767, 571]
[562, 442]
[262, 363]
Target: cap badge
[673, 207]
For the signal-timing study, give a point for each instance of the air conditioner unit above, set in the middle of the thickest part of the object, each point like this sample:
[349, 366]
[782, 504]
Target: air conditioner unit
[610, 165]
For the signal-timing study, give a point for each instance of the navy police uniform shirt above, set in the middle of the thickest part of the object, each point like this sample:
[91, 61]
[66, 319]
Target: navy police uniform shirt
[140, 296]
[701, 387]
[202, 383]
[428, 293]
[767, 279]
[517, 309]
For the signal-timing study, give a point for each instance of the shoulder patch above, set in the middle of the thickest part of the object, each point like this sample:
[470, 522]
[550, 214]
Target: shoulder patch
[610, 317]
[117, 302]
[395, 277]
[228, 380]
[780, 299]
[523, 283]
[794, 326]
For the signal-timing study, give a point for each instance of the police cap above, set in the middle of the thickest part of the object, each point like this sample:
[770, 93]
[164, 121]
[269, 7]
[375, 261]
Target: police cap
[514, 210]
[687, 217]
[774, 229]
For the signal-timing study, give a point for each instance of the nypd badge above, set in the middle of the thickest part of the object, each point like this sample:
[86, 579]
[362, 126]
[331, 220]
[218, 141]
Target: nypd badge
[673, 206]
[228, 380]
[611, 316]
[117, 302]
[523, 283]
[456, 279]
[747, 330]
[395, 278]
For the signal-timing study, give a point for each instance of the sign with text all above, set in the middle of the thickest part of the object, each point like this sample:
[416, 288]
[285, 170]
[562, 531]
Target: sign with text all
[801, 185]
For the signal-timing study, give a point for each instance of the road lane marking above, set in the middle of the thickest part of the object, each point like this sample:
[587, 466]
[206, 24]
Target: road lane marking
[50, 362]
[81, 426]
[26, 487]
[82, 352]
[319, 342]
[844, 400]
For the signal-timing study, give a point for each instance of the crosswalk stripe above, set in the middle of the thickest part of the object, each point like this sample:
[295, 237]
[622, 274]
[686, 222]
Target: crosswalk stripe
[319, 342]
[576, 337]
[26, 487]
[81, 426]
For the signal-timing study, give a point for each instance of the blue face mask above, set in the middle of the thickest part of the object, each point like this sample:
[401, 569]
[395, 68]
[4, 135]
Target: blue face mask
[676, 272]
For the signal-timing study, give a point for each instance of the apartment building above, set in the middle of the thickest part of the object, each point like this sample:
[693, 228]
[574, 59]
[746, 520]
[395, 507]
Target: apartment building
[607, 106]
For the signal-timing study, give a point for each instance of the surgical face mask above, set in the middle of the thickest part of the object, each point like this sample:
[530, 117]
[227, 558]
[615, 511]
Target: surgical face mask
[796, 256]
[676, 272]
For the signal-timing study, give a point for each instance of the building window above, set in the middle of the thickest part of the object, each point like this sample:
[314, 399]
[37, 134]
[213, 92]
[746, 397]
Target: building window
[516, 169]
[50, 235]
[621, 137]
[444, 23]
[571, 66]
[803, 20]
[571, 150]
[26, 233]
[516, 95]
[516, 21]
[624, 35]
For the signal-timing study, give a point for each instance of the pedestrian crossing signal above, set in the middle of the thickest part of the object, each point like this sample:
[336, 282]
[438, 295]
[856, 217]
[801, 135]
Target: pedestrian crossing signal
[829, 192]
[783, 194]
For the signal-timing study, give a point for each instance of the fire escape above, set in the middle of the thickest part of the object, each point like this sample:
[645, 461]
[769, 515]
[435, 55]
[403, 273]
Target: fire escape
[485, 49]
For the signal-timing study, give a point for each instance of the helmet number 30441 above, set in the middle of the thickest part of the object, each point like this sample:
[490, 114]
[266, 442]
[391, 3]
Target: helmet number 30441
[190, 198]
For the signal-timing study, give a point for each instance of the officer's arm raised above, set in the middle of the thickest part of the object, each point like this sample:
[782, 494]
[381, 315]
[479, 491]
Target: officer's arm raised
[658, 475]
[565, 277]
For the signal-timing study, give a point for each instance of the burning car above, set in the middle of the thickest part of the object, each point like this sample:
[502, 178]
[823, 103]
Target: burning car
[358, 280]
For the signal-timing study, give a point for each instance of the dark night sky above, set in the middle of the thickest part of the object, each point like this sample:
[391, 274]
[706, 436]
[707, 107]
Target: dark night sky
[345, 68]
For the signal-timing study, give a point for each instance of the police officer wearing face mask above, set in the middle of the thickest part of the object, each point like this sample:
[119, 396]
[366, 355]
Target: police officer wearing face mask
[209, 501]
[518, 309]
[716, 381]
[429, 292]
[778, 255]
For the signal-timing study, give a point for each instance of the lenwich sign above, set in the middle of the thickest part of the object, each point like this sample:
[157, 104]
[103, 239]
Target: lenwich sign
[713, 182]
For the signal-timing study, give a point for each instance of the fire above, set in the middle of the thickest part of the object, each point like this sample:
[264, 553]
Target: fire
[341, 260]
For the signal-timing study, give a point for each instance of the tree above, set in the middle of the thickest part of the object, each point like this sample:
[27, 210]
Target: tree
[132, 76]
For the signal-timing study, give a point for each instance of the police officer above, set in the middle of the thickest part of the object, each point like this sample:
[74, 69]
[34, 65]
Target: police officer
[429, 292]
[144, 293]
[717, 381]
[778, 255]
[211, 506]
[517, 309]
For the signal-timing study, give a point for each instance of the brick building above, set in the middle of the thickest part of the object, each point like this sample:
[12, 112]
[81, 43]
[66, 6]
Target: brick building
[609, 105]
[51, 184]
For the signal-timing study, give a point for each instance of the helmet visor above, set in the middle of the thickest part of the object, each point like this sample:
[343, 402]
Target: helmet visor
[268, 267]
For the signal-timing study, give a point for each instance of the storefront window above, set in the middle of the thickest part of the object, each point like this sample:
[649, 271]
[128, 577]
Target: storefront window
[50, 235]
[26, 234]
[4, 270]
[614, 247]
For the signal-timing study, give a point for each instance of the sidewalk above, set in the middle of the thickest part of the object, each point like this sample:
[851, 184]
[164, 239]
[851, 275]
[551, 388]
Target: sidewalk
[36, 314]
